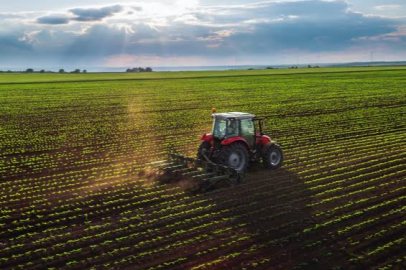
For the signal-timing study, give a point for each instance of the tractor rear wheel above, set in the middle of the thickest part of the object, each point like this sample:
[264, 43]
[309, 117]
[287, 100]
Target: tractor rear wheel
[234, 156]
[273, 157]
[203, 148]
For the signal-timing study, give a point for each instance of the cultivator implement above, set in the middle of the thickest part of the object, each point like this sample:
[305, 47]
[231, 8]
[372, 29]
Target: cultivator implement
[201, 174]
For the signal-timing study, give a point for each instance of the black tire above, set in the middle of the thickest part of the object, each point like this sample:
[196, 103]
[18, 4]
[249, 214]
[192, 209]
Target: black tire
[273, 156]
[235, 156]
[204, 146]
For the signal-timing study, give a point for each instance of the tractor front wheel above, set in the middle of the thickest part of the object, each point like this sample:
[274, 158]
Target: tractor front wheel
[203, 148]
[234, 156]
[273, 157]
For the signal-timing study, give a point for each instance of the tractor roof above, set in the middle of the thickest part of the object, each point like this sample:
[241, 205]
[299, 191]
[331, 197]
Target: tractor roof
[238, 115]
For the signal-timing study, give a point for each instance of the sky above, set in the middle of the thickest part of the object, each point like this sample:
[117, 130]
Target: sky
[160, 33]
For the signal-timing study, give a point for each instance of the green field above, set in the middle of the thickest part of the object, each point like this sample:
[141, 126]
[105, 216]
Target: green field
[7, 78]
[72, 147]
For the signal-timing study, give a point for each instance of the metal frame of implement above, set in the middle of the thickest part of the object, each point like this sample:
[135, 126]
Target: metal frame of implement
[205, 171]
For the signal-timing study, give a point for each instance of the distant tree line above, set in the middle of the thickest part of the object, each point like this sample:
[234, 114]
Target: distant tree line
[139, 69]
[74, 71]
[10, 71]
[309, 66]
[31, 70]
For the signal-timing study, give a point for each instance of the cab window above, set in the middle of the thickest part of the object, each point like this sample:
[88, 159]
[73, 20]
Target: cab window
[232, 128]
[247, 127]
[219, 128]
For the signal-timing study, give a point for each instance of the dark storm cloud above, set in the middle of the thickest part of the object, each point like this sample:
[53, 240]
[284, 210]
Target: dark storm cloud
[81, 15]
[310, 34]
[95, 14]
[12, 41]
[11, 45]
[53, 19]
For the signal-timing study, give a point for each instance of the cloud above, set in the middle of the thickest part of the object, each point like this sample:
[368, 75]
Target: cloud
[83, 15]
[274, 31]
[5, 16]
[53, 19]
[277, 27]
[95, 14]
[396, 36]
[388, 7]
[13, 50]
[98, 40]
[13, 42]
[309, 34]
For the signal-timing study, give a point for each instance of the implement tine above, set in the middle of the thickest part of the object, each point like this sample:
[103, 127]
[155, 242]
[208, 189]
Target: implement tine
[159, 163]
[192, 173]
[205, 175]
[184, 170]
[173, 167]
[205, 170]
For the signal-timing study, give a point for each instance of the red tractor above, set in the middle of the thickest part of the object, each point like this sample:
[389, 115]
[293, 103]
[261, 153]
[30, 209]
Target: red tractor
[236, 139]
[224, 154]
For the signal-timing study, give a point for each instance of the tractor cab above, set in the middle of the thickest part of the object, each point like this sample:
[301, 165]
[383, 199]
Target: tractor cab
[236, 124]
[231, 124]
